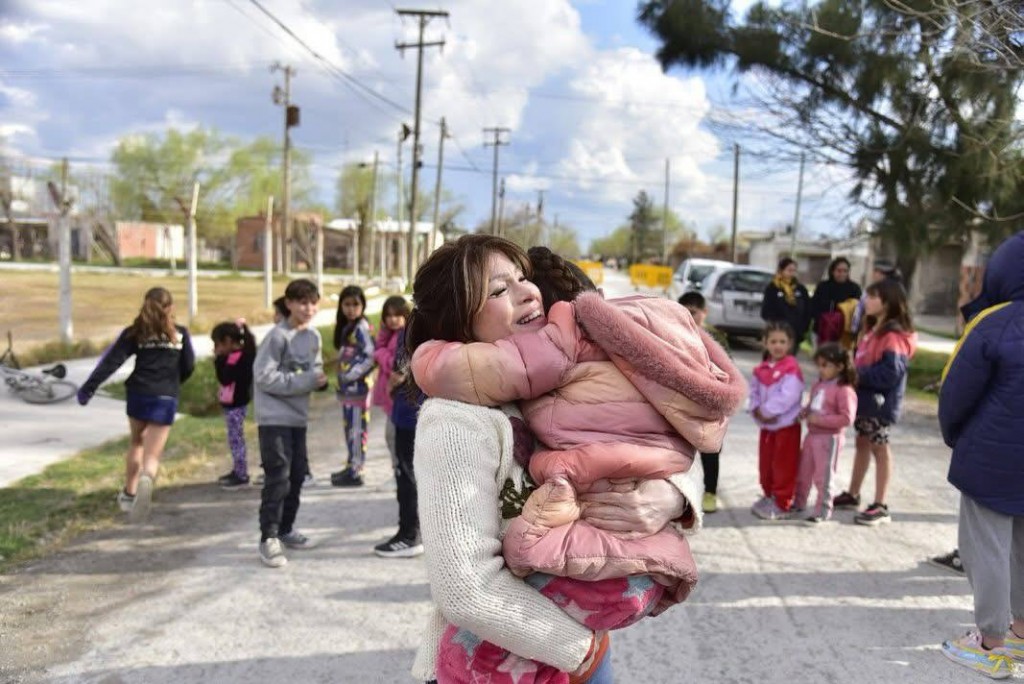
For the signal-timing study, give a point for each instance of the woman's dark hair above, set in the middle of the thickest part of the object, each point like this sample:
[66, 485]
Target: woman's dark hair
[835, 262]
[238, 333]
[895, 310]
[341, 323]
[558, 279]
[783, 263]
[154, 320]
[395, 305]
[835, 354]
[776, 326]
[449, 288]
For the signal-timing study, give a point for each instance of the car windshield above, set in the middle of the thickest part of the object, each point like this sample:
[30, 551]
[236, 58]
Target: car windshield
[699, 273]
[749, 281]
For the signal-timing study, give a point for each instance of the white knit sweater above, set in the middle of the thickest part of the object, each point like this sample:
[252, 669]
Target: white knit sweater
[464, 461]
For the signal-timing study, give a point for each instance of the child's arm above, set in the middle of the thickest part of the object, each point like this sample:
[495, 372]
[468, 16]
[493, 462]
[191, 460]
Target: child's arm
[384, 350]
[187, 356]
[885, 373]
[523, 366]
[785, 394]
[846, 411]
[363, 362]
[112, 359]
[964, 385]
[270, 378]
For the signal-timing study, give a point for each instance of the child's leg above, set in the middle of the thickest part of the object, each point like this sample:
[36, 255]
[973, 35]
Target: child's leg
[133, 459]
[405, 477]
[765, 449]
[785, 462]
[464, 657]
[883, 469]
[235, 421]
[985, 539]
[296, 475]
[709, 462]
[347, 418]
[276, 458]
[1017, 576]
[389, 439]
[154, 439]
[861, 461]
[806, 472]
[825, 475]
[601, 604]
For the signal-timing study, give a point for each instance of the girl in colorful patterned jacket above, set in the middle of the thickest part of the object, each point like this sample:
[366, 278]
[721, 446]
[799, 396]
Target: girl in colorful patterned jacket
[601, 415]
[354, 341]
[882, 359]
[831, 410]
[776, 390]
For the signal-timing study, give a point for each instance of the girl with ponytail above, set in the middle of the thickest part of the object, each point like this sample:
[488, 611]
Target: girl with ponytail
[163, 360]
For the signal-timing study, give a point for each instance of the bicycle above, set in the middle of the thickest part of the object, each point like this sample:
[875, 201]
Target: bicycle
[47, 387]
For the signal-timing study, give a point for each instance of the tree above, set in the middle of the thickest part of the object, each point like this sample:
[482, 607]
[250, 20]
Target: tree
[563, 241]
[918, 99]
[616, 244]
[642, 223]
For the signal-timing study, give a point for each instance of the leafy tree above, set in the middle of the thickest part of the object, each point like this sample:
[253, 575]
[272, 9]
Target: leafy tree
[616, 244]
[643, 222]
[563, 240]
[917, 98]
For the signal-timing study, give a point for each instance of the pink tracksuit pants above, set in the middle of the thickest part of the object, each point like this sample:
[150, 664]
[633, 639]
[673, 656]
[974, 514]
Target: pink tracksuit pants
[818, 459]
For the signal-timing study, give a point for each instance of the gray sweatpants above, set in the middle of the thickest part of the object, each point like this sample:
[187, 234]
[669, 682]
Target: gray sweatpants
[992, 550]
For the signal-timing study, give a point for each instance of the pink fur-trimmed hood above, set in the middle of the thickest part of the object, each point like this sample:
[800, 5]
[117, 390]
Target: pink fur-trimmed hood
[677, 366]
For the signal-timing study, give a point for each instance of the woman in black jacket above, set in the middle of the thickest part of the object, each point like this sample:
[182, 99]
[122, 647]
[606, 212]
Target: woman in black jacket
[786, 300]
[827, 296]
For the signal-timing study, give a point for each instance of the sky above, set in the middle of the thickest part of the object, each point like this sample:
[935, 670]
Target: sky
[593, 117]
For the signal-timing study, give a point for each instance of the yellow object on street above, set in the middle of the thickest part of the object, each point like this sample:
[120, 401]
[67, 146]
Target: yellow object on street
[593, 269]
[646, 275]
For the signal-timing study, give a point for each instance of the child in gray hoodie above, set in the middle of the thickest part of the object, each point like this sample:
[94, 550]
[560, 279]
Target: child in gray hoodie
[288, 367]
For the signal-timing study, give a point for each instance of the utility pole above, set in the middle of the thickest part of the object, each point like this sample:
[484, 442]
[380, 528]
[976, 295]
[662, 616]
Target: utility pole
[193, 261]
[424, 17]
[437, 187]
[268, 257]
[501, 210]
[540, 219]
[373, 220]
[403, 134]
[796, 215]
[63, 206]
[291, 118]
[498, 142]
[735, 197]
[664, 219]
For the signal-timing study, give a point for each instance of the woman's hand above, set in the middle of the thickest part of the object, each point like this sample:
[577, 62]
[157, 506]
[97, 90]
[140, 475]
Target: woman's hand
[632, 508]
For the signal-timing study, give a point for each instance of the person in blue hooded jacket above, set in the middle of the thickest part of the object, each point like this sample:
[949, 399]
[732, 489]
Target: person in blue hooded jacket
[981, 419]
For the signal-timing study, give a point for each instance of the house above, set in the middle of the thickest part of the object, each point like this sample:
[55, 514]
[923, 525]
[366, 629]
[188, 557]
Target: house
[144, 240]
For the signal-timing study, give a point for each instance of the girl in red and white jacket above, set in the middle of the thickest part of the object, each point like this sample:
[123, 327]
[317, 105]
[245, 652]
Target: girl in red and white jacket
[831, 410]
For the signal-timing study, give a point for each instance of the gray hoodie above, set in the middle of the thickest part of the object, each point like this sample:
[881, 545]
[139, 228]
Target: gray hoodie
[284, 373]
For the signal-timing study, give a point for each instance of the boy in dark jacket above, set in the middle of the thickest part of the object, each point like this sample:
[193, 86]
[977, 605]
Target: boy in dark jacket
[980, 416]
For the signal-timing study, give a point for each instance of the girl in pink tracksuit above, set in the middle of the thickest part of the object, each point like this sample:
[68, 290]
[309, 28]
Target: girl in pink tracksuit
[831, 410]
[600, 416]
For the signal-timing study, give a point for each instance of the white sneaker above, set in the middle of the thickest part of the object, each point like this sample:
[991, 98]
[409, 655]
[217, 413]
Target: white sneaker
[271, 553]
[143, 500]
[125, 501]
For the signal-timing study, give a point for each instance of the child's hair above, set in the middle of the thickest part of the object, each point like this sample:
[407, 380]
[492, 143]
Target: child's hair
[894, 305]
[775, 326]
[693, 299]
[340, 321]
[154, 320]
[395, 305]
[281, 307]
[302, 290]
[238, 332]
[833, 353]
[558, 279]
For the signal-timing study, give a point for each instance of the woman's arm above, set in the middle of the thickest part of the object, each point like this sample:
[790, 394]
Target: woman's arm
[456, 456]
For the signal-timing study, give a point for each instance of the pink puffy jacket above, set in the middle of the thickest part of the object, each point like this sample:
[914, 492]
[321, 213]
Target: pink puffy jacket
[625, 388]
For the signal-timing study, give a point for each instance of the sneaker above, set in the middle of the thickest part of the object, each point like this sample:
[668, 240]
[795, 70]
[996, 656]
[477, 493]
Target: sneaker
[271, 553]
[875, 514]
[400, 547]
[232, 481]
[225, 477]
[143, 500]
[709, 503]
[950, 561]
[297, 540]
[846, 500]
[346, 478]
[767, 509]
[968, 651]
[125, 501]
[1014, 646]
[760, 506]
[260, 479]
[815, 520]
[308, 481]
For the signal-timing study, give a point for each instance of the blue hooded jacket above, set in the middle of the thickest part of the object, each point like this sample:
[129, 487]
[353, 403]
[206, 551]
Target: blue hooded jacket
[980, 410]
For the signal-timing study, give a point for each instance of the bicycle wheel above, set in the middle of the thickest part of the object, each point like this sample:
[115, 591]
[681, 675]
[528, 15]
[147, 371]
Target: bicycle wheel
[48, 392]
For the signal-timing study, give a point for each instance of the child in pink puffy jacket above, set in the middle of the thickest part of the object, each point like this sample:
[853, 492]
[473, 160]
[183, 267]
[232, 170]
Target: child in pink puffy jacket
[631, 397]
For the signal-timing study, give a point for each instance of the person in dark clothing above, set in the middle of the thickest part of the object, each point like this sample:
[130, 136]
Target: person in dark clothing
[163, 360]
[234, 350]
[786, 301]
[828, 321]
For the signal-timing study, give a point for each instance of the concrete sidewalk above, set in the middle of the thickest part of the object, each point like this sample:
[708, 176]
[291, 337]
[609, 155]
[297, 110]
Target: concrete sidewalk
[34, 436]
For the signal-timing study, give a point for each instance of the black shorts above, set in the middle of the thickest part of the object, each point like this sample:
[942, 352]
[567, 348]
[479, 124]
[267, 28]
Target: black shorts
[875, 429]
[151, 409]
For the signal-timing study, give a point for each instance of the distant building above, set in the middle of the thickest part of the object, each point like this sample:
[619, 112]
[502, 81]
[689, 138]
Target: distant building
[141, 239]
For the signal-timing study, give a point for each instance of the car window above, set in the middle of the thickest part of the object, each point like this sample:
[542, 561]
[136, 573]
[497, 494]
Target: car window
[748, 281]
[699, 273]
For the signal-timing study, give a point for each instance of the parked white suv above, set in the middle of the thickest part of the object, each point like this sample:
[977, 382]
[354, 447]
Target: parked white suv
[734, 295]
[690, 274]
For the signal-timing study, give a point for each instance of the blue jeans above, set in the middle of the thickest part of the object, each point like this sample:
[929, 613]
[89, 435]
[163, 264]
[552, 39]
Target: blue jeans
[604, 674]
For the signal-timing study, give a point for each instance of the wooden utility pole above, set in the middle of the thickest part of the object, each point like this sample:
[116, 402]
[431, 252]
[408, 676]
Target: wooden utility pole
[437, 188]
[63, 206]
[6, 199]
[500, 230]
[424, 17]
[291, 118]
[796, 214]
[664, 219]
[498, 142]
[268, 255]
[373, 220]
[735, 198]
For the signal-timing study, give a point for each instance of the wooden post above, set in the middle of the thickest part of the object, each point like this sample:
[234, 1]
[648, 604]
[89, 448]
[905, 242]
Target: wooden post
[193, 265]
[318, 258]
[268, 255]
[64, 252]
